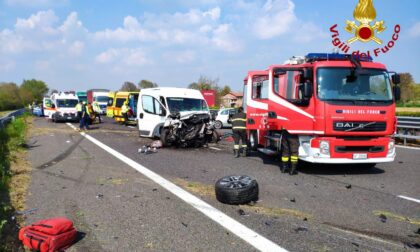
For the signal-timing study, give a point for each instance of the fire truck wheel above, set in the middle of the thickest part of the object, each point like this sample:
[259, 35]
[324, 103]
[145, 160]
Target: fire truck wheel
[218, 124]
[253, 140]
[236, 190]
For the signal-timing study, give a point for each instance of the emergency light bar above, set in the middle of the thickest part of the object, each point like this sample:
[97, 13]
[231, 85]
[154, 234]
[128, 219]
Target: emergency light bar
[334, 56]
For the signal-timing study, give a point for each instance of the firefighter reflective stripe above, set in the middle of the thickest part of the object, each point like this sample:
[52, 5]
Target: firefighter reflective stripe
[244, 146]
[236, 147]
[284, 159]
[239, 121]
[124, 109]
[294, 159]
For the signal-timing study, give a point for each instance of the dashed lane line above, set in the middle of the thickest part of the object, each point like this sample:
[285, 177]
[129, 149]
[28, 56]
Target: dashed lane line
[248, 235]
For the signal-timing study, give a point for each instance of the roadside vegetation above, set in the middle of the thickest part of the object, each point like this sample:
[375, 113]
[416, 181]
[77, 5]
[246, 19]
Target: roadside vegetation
[14, 97]
[14, 179]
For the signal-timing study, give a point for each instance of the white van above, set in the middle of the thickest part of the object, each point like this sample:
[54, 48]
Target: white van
[155, 104]
[64, 107]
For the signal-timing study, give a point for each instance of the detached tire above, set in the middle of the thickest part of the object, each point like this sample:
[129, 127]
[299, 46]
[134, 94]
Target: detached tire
[236, 190]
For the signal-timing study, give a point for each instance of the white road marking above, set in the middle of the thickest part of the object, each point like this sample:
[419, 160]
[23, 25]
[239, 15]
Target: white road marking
[214, 148]
[253, 238]
[408, 198]
[407, 147]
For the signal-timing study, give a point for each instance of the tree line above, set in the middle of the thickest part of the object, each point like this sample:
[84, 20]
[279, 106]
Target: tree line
[13, 96]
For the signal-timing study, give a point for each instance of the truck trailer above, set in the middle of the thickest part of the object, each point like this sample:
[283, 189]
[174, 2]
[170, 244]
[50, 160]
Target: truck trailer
[342, 108]
[100, 96]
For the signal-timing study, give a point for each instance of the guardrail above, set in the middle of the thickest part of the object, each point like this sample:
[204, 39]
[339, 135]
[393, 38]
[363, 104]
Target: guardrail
[11, 116]
[409, 128]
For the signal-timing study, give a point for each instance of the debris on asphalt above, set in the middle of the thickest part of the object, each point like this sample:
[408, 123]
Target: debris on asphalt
[147, 150]
[301, 228]
[168, 198]
[184, 224]
[293, 200]
[241, 212]
[267, 223]
[400, 162]
[29, 211]
[348, 186]
[355, 244]
[99, 196]
[68, 141]
[305, 219]
[413, 245]
[156, 144]
[417, 232]
[383, 218]
[63, 187]
[296, 184]
[115, 237]
[204, 171]
[154, 189]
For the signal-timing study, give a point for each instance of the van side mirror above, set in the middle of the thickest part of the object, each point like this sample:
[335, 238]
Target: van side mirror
[307, 89]
[163, 112]
[396, 79]
[397, 92]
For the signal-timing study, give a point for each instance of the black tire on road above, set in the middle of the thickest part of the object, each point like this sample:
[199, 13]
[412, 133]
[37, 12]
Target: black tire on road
[236, 190]
[164, 137]
[253, 140]
[218, 124]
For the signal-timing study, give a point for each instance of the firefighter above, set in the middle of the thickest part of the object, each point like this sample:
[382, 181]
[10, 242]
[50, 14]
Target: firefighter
[124, 112]
[239, 133]
[290, 151]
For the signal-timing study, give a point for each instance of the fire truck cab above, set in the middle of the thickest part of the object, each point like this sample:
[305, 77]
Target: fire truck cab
[342, 108]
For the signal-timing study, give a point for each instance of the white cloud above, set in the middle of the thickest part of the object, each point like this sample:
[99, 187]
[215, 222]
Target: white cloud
[414, 31]
[128, 57]
[76, 48]
[275, 18]
[182, 57]
[223, 39]
[41, 32]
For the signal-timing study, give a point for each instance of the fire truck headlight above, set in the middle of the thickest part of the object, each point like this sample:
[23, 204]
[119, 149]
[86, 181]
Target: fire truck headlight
[391, 147]
[324, 147]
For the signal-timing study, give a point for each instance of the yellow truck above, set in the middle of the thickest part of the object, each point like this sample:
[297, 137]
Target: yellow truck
[131, 98]
[110, 105]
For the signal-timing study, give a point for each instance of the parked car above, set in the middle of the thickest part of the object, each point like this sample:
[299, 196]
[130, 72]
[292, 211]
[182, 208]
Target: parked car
[223, 117]
[213, 113]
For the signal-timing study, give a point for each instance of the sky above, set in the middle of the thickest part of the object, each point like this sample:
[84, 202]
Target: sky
[83, 44]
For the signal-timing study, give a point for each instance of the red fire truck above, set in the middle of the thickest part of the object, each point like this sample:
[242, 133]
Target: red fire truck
[342, 108]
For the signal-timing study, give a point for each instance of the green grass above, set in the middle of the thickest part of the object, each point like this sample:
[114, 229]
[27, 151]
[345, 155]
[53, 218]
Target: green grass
[12, 138]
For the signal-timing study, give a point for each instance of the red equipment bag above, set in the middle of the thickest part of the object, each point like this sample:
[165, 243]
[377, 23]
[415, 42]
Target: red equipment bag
[49, 235]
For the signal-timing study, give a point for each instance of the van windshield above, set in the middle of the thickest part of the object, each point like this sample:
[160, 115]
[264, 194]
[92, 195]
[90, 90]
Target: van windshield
[67, 103]
[176, 104]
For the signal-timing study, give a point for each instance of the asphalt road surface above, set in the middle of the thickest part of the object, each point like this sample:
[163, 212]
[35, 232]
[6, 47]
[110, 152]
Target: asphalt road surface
[117, 208]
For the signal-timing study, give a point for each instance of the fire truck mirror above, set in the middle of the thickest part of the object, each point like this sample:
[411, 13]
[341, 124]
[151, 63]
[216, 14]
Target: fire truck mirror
[397, 92]
[307, 89]
[396, 79]
[308, 74]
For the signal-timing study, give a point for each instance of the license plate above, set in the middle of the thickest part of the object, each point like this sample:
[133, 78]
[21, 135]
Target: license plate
[359, 156]
[69, 118]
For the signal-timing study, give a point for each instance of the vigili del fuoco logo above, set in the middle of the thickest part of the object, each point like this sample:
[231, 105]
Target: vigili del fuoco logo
[365, 28]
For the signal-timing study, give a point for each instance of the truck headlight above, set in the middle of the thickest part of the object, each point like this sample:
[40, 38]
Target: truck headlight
[391, 147]
[324, 147]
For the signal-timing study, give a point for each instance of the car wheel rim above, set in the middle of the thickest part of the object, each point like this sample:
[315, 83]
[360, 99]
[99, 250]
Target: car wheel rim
[235, 181]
